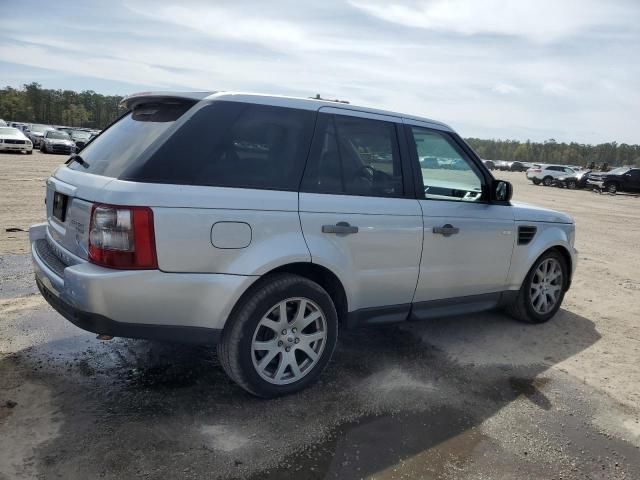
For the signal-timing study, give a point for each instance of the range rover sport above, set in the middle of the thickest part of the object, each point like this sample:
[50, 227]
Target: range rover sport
[265, 225]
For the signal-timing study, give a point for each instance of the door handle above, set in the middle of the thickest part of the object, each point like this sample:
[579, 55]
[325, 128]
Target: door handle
[340, 228]
[446, 230]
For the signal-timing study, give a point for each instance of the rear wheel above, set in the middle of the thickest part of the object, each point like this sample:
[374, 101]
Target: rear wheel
[535, 181]
[542, 291]
[281, 337]
[546, 181]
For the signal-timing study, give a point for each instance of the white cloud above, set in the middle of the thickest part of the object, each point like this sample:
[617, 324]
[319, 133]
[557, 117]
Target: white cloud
[540, 20]
[505, 88]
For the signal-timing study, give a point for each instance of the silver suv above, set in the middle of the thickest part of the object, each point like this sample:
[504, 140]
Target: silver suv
[546, 174]
[266, 224]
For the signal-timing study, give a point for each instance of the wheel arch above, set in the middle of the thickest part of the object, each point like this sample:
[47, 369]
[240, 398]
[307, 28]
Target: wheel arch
[312, 271]
[555, 237]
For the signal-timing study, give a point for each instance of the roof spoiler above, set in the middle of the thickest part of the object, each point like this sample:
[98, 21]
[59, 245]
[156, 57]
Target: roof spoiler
[135, 99]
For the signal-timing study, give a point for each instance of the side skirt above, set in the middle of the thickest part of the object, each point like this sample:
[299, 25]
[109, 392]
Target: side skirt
[428, 310]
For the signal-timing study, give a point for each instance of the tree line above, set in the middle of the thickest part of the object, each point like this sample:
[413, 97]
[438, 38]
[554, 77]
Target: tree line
[550, 151]
[33, 104]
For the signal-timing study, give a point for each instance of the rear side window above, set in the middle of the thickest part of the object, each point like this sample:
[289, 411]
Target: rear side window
[233, 144]
[121, 145]
[354, 156]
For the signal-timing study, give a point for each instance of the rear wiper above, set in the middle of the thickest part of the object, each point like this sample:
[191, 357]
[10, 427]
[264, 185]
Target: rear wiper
[77, 158]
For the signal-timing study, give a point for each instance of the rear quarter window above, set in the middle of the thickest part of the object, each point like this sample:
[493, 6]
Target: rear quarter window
[233, 144]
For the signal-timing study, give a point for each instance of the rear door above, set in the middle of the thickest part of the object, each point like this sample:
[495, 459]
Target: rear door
[468, 241]
[357, 214]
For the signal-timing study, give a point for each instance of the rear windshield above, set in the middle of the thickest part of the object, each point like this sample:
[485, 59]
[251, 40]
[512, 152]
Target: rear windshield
[122, 144]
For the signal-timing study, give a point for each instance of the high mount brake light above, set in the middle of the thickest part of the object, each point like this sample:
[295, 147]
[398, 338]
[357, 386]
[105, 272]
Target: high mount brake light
[122, 237]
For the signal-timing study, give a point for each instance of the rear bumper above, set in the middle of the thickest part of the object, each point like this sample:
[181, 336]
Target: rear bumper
[138, 304]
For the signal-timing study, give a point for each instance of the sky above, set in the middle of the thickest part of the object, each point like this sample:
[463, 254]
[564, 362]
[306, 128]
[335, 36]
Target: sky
[509, 69]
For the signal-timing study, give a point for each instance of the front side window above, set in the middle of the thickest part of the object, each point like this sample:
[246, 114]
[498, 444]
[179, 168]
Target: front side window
[354, 156]
[447, 173]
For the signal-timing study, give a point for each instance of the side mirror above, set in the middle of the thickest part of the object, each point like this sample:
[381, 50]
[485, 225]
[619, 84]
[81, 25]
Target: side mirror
[501, 191]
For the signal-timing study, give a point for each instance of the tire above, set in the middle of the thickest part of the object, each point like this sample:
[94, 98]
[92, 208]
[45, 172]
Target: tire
[527, 307]
[30, 152]
[546, 181]
[246, 330]
[572, 184]
[535, 181]
[611, 187]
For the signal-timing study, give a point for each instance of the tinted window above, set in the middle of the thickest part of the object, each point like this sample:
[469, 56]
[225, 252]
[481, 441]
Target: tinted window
[122, 144]
[233, 144]
[354, 156]
[447, 173]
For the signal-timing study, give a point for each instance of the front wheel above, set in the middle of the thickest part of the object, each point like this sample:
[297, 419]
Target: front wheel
[280, 337]
[542, 291]
[611, 187]
[572, 184]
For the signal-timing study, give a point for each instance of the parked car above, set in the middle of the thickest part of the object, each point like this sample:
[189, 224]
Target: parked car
[80, 138]
[519, 166]
[266, 224]
[12, 139]
[3, 123]
[545, 174]
[621, 179]
[502, 165]
[36, 133]
[489, 164]
[577, 180]
[55, 141]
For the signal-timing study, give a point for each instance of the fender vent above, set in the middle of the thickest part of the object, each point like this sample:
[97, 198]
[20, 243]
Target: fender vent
[526, 234]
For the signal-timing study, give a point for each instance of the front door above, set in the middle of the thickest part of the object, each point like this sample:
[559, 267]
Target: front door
[468, 241]
[357, 217]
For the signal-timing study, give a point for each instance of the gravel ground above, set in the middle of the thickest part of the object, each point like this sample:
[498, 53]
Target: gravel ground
[471, 397]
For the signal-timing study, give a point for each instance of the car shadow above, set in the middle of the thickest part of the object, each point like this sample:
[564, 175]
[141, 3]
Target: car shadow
[389, 394]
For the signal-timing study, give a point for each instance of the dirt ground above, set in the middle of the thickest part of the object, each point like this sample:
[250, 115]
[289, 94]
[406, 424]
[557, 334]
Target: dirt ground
[474, 397]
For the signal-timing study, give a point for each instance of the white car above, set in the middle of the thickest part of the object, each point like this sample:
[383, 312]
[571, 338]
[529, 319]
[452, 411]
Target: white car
[14, 140]
[546, 174]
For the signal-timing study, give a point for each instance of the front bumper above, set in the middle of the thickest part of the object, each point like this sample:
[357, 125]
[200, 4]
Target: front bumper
[147, 304]
[16, 147]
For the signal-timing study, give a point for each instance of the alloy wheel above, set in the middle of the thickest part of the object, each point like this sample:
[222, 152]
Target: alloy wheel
[546, 286]
[289, 341]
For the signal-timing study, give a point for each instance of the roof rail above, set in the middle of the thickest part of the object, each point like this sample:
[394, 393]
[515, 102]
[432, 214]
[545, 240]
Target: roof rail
[318, 97]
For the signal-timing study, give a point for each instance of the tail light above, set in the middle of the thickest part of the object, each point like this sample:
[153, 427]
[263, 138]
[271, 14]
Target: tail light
[122, 237]
[535, 170]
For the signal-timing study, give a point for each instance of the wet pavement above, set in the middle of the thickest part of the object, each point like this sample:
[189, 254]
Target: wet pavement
[413, 401]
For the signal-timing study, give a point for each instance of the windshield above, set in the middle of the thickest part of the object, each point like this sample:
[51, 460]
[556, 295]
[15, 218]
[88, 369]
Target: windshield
[111, 153]
[80, 134]
[618, 171]
[57, 135]
[40, 128]
[9, 131]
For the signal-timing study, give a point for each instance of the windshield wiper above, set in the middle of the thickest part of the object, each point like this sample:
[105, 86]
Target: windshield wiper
[77, 158]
